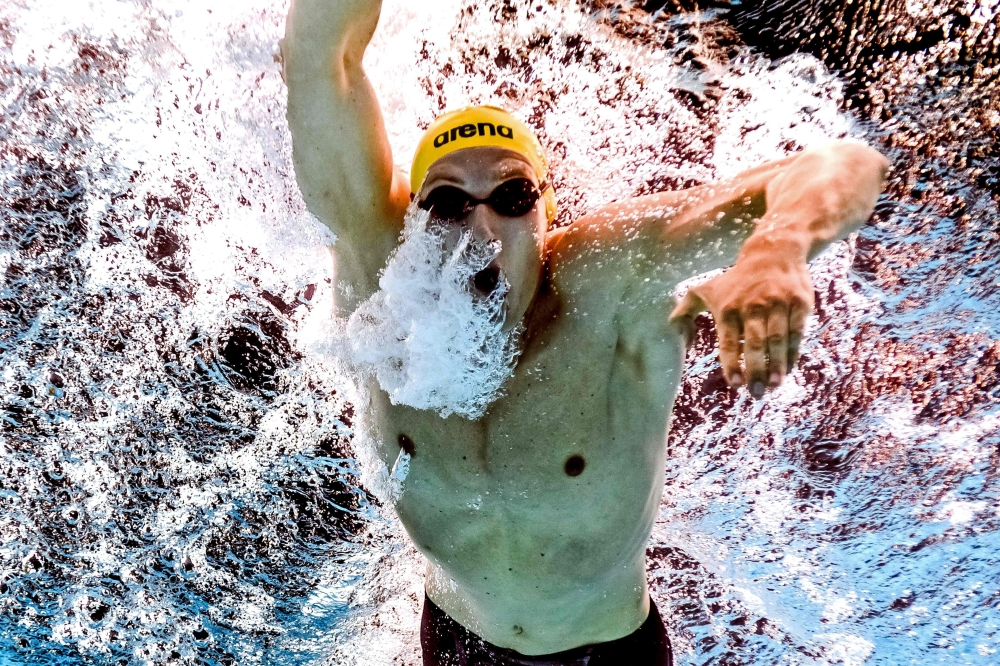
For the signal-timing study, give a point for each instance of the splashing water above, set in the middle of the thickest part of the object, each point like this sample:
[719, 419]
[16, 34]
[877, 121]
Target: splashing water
[426, 337]
[178, 471]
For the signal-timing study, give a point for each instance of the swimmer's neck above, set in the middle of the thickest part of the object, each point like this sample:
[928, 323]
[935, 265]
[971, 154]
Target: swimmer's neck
[544, 303]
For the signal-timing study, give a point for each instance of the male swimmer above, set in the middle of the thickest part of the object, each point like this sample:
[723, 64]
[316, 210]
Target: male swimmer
[534, 517]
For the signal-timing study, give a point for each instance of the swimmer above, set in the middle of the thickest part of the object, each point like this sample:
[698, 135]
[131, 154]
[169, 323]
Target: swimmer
[534, 517]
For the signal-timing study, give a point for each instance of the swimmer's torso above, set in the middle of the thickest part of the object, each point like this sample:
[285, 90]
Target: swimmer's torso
[523, 553]
[535, 518]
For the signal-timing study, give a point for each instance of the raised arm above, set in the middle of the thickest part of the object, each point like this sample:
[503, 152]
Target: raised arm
[760, 305]
[769, 220]
[343, 161]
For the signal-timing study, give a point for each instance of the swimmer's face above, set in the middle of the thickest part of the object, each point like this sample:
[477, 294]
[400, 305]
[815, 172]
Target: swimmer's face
[479, 171]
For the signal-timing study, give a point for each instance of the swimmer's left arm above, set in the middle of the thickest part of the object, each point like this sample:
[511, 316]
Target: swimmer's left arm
[769, 221]
[811, 200]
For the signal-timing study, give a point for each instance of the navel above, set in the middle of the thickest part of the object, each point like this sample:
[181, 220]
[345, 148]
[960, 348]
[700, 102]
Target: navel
[406, 443]
[574, 465]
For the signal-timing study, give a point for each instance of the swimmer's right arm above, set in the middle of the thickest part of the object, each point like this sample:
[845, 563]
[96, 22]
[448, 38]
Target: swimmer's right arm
[340, 150]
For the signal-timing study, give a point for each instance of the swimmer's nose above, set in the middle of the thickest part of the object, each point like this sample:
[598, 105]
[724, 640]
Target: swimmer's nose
[486, 280]
[481, 223]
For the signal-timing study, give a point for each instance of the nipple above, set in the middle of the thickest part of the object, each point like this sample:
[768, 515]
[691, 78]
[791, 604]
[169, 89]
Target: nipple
[575, 465]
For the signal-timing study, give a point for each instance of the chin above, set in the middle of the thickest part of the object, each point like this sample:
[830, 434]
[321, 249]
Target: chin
[515, 308]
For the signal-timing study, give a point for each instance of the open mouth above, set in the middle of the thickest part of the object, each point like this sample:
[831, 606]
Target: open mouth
[486, 280]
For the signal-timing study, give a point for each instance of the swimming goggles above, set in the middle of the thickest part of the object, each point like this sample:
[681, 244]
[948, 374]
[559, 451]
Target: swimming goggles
[512, 198]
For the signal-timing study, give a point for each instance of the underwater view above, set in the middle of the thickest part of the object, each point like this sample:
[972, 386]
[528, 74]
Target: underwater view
[184, 477]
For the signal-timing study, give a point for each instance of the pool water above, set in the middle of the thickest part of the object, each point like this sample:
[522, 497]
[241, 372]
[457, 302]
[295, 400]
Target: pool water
[180, 476]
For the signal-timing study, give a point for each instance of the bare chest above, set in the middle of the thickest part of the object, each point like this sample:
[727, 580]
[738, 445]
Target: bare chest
[583, 411]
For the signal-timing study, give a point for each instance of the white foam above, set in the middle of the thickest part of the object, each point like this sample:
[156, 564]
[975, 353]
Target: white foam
[429, 341]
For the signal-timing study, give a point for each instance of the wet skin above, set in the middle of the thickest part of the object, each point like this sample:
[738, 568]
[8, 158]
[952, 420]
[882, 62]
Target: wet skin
[534, 518]
[532, 541]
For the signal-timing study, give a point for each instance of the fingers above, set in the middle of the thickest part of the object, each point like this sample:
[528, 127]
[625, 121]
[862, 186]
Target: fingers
[689, 334]
[796, 325]
[730, 348]
[777, 345]
[688, 308]
[755, 352]
[772, 338]
[759, 343]
[683, 315]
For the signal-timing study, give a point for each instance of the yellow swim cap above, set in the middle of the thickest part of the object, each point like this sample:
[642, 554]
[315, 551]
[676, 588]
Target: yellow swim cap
[476, 126]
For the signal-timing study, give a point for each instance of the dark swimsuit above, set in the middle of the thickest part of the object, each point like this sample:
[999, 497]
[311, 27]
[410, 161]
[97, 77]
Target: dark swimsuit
[447, 643]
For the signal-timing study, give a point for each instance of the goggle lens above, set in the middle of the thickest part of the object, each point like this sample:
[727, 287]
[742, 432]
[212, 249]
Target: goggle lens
[512, 198]
[448, 203]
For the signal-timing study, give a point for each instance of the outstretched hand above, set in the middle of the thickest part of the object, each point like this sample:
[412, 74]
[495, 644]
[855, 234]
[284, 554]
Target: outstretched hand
[760, 307]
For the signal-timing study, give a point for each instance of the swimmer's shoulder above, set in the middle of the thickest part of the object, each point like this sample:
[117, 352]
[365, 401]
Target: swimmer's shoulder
[637, 248]
[557, 252]
[595, 243]
[581, 257]
[553, 236]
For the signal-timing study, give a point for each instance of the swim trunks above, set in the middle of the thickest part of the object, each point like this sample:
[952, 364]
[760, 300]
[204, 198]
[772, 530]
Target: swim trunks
[447, 643]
